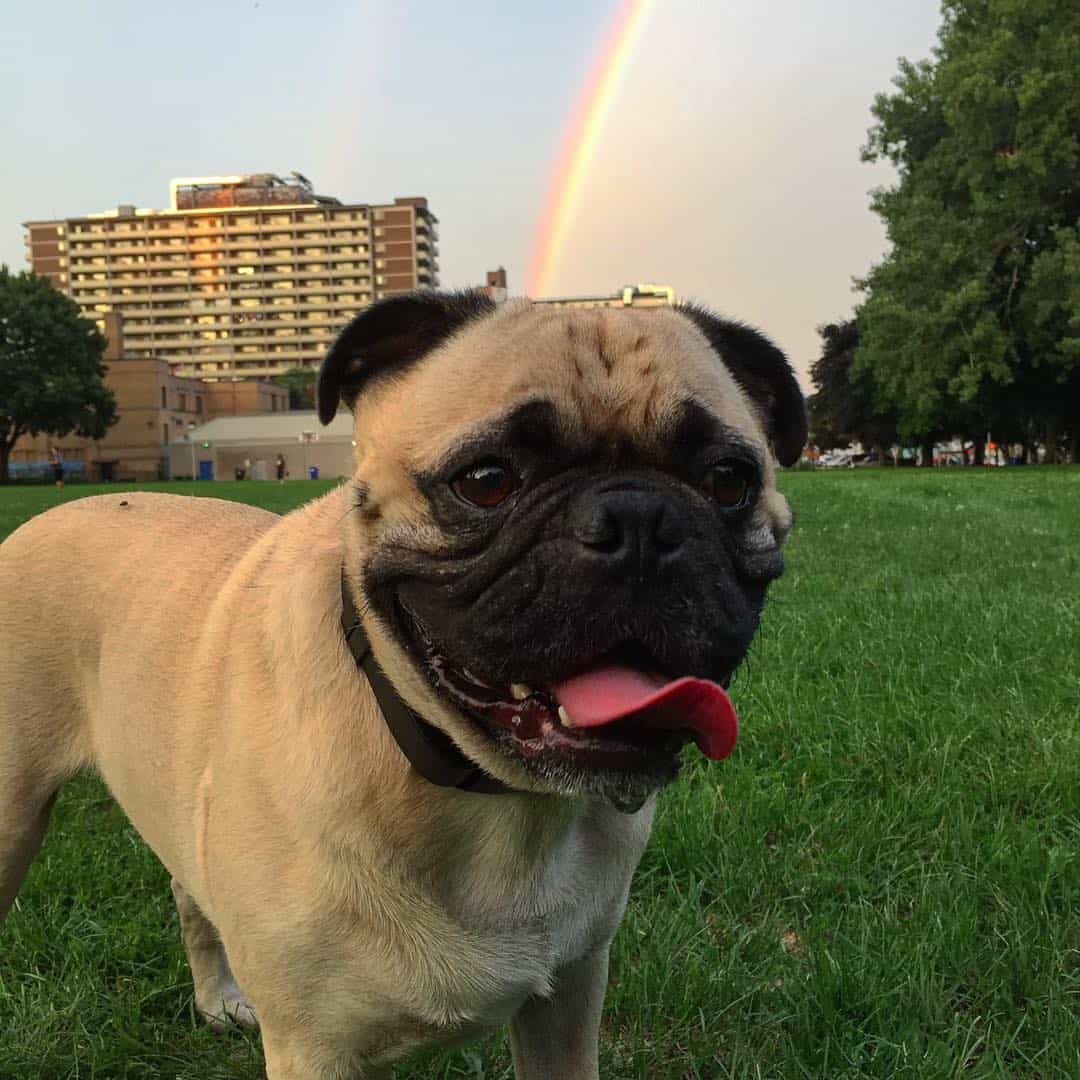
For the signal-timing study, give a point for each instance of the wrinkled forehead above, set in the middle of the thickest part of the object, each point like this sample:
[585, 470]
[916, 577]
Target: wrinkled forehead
[623, 375]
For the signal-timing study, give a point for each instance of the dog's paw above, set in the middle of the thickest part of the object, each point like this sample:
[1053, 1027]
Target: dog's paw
[228, 1012]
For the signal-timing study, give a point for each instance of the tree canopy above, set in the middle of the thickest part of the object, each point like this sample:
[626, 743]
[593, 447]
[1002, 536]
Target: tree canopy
[843, 409]
[971, 322]
[51, 370]
[300, 382]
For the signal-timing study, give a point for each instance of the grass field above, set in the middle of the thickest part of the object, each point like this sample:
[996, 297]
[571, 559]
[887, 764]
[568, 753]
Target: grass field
[882, 881]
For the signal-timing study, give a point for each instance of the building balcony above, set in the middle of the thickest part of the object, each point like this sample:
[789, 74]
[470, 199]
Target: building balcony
[231, 347]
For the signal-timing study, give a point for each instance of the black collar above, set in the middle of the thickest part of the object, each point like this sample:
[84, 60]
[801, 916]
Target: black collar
[430, 751]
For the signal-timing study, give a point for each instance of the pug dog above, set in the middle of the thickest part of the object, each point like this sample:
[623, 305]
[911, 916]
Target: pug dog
[399, 748]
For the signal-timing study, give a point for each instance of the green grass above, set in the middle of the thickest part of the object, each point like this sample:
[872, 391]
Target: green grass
[882, 881]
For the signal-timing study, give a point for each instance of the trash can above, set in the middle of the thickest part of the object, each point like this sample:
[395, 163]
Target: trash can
[313, 472]
[239, 470]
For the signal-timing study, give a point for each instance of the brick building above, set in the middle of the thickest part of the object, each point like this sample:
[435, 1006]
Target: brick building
[244, 397]
[242, 276]
[155, 408]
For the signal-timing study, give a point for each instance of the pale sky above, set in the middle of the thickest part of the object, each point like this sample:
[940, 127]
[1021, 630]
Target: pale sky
[728, 167]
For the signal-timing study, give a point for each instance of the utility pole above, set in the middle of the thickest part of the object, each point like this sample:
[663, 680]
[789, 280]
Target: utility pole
[191, 443]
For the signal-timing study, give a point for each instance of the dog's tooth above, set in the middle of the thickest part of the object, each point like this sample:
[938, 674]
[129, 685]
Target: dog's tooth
[564, 716]
[520, 691]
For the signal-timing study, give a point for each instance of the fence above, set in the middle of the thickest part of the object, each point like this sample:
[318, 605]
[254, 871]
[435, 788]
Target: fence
[29, 471]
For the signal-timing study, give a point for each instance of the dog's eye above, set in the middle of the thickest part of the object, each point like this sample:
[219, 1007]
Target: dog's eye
[728, 485]
[485, 485]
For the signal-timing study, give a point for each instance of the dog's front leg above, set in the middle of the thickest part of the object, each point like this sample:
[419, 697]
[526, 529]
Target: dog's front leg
[560, 1036]
[300, 1054]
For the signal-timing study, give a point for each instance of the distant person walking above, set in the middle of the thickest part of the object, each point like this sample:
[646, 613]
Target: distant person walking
[56, 460]
[280, 463]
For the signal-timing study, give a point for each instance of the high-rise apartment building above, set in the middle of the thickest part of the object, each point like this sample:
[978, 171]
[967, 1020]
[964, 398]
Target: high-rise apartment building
[243, 276]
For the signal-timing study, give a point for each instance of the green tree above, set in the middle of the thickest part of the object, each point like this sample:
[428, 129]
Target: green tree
[970, 321]
[300, 382]
[51, 370]
[843, 408]
[1051, 310]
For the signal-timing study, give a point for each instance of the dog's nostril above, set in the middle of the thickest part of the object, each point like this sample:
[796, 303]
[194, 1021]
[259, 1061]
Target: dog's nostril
[667, 531]
[601, 530]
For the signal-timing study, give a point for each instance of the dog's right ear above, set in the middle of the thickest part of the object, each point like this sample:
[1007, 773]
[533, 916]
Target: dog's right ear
[388, 336]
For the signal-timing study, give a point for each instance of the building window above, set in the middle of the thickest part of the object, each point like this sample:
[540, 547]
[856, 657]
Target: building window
[183, 402]
[164, 432]
[164, 399]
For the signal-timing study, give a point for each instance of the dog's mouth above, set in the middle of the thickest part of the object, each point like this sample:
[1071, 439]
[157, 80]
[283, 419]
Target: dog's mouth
[618, 713]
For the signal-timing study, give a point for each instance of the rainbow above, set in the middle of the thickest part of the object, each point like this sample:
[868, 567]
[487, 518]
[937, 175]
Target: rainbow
[580, 141]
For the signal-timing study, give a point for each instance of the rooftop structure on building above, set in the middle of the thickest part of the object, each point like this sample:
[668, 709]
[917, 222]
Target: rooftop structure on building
[637, 296]
[255, 189]
[495, 285]
[243, 276]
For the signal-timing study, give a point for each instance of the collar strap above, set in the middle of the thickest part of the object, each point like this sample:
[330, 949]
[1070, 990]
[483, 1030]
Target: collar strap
[430, 751]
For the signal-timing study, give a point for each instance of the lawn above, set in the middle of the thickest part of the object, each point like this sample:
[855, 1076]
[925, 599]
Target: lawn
[882, 881]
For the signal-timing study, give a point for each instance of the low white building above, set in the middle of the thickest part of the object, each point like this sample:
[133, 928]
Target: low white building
[219, 448]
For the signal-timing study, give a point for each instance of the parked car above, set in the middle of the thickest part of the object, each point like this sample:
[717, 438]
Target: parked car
[836, 459]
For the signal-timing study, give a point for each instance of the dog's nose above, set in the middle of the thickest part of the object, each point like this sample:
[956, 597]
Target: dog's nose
[630, 530]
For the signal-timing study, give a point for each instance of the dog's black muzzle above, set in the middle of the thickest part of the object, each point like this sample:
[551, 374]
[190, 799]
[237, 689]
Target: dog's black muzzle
[632, 568]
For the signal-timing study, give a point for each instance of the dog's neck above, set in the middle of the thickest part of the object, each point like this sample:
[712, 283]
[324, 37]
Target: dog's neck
[430, 752]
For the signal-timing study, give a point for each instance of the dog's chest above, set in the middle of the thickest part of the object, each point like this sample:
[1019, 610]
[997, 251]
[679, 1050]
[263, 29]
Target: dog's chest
[521, 918]
[461, 943]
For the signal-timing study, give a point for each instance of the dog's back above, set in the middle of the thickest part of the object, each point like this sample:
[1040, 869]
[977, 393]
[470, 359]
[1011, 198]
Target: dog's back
[124, 567]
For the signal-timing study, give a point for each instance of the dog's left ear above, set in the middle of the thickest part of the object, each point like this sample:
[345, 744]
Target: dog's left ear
[765, 376]
[389, 335]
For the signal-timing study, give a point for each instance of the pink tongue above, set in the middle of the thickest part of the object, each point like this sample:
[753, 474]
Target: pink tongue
[610, 693]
